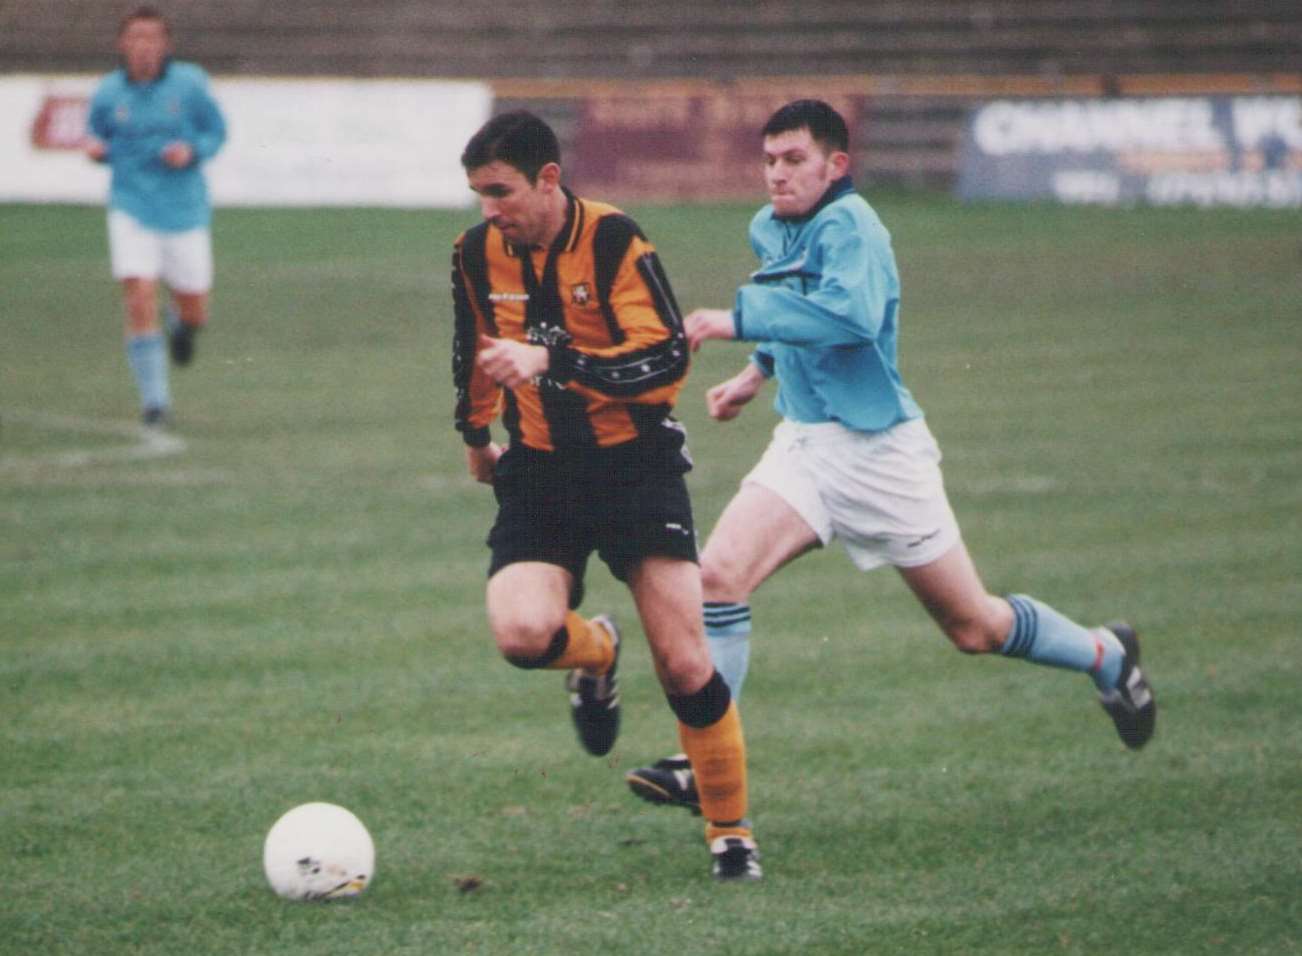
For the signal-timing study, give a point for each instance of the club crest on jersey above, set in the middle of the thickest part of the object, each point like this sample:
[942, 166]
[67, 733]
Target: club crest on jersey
[581, 293]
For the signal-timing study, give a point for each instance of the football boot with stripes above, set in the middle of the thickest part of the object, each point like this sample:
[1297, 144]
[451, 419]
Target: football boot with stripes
[594, 698]
[669, 781]
[736, 858]
[1131, 704]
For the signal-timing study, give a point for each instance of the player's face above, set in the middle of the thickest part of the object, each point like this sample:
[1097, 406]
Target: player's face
[519, 208]
[797, 171]
[144, 44]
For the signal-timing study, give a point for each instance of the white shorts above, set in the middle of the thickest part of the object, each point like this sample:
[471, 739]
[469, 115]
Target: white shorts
[881, 493]
[181, 259]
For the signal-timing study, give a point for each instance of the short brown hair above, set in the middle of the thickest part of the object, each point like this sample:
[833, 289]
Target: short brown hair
[519, 139]
[826, 126]
[144, 12]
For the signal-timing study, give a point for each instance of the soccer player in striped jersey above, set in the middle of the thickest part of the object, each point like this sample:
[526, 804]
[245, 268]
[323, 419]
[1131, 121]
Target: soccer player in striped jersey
[566, 328]
[852, 457]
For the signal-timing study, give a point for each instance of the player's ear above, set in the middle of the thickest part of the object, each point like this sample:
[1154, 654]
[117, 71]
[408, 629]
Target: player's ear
[550, 175]
[840, 163]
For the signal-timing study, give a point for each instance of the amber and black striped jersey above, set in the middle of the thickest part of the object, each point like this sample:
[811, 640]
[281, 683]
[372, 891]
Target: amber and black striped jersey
[600, 302]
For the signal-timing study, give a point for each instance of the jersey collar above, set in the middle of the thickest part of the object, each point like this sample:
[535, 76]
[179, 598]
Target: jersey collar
[567, 240]
[834, 191]
[162, 72]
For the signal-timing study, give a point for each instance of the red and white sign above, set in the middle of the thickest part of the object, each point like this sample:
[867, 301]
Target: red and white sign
[60, 122]
[289, 142]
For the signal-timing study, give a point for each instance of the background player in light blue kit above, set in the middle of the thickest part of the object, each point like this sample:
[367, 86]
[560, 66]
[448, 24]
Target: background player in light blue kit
[853, 457]
[154, 122]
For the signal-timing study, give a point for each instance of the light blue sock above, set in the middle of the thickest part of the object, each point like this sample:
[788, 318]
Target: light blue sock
[147, 356]
[1042, 635]
[727, 626]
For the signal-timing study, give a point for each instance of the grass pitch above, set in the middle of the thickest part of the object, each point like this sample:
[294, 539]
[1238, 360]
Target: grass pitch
[285, 604]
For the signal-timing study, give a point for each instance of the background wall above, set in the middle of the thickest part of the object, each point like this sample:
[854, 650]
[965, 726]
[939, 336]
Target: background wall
[913, 68]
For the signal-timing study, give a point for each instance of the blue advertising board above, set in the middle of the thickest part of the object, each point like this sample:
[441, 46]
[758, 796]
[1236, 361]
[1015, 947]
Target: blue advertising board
[1188, 150]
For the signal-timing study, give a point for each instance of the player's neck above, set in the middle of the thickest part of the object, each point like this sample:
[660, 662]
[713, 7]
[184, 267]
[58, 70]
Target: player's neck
[142, 75]
[557, 212]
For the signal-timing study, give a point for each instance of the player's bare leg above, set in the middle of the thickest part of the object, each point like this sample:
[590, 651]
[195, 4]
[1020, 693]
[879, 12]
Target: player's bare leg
[140, 299]
[189, 316]
[528, 612]
[668, 596]
[1020, 626]
[756, 535]
[527, 602]
[145, 349]
[951, 590]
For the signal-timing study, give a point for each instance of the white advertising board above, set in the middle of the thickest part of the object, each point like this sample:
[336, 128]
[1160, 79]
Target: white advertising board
[290, 142]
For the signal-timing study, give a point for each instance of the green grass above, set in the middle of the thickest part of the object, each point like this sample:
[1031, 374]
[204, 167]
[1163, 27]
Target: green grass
[291, 609]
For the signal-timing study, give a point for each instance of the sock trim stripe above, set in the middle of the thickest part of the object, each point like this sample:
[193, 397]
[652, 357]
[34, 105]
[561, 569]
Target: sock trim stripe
[704, 708]
[739, 630]
[723, 620]
[1025, 625]
[1099, 651]
[726, 613]
[560, 641]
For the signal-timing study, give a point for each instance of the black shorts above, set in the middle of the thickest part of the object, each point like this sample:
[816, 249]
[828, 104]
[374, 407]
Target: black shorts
[626, 503]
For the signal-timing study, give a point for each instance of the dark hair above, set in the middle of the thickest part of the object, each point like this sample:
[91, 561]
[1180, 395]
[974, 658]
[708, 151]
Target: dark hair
[517, 138]
[826, 126]
[145, 12]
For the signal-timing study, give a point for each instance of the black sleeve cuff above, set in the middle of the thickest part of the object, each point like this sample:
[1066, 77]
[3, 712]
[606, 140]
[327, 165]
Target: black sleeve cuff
[476, 437]
[561, 363]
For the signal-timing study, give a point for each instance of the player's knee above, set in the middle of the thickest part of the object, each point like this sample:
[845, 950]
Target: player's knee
[141, 310]
[721, 579]
[683, 670]
[525, 643]
[702, 706]
[192, 309]
[972, 636]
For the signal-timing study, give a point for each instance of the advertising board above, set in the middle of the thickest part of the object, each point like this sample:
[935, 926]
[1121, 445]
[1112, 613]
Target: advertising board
[305, 142]
[1199, 150]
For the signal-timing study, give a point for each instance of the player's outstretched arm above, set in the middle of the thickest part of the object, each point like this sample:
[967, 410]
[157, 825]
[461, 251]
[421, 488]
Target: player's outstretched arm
[726, 400]
[702, 324]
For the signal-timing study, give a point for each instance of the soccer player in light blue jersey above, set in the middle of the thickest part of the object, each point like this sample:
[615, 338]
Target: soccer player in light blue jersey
[853, 457]
[154, 122]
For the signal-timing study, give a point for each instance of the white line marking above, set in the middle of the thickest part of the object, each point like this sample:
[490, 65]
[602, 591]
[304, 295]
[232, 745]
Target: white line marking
[145, 443]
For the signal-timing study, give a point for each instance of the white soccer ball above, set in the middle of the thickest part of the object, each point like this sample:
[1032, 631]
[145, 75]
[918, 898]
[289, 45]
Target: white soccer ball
[318, 851]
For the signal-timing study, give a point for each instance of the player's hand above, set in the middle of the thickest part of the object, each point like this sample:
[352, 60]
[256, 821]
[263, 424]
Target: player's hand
[702, 324]
[178, 154]
[511, 363]
[725, 401]
[482, 461]
[95, 148]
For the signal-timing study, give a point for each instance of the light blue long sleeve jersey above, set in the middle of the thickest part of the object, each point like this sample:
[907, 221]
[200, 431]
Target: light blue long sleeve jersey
[137, 120]
[824, 306]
